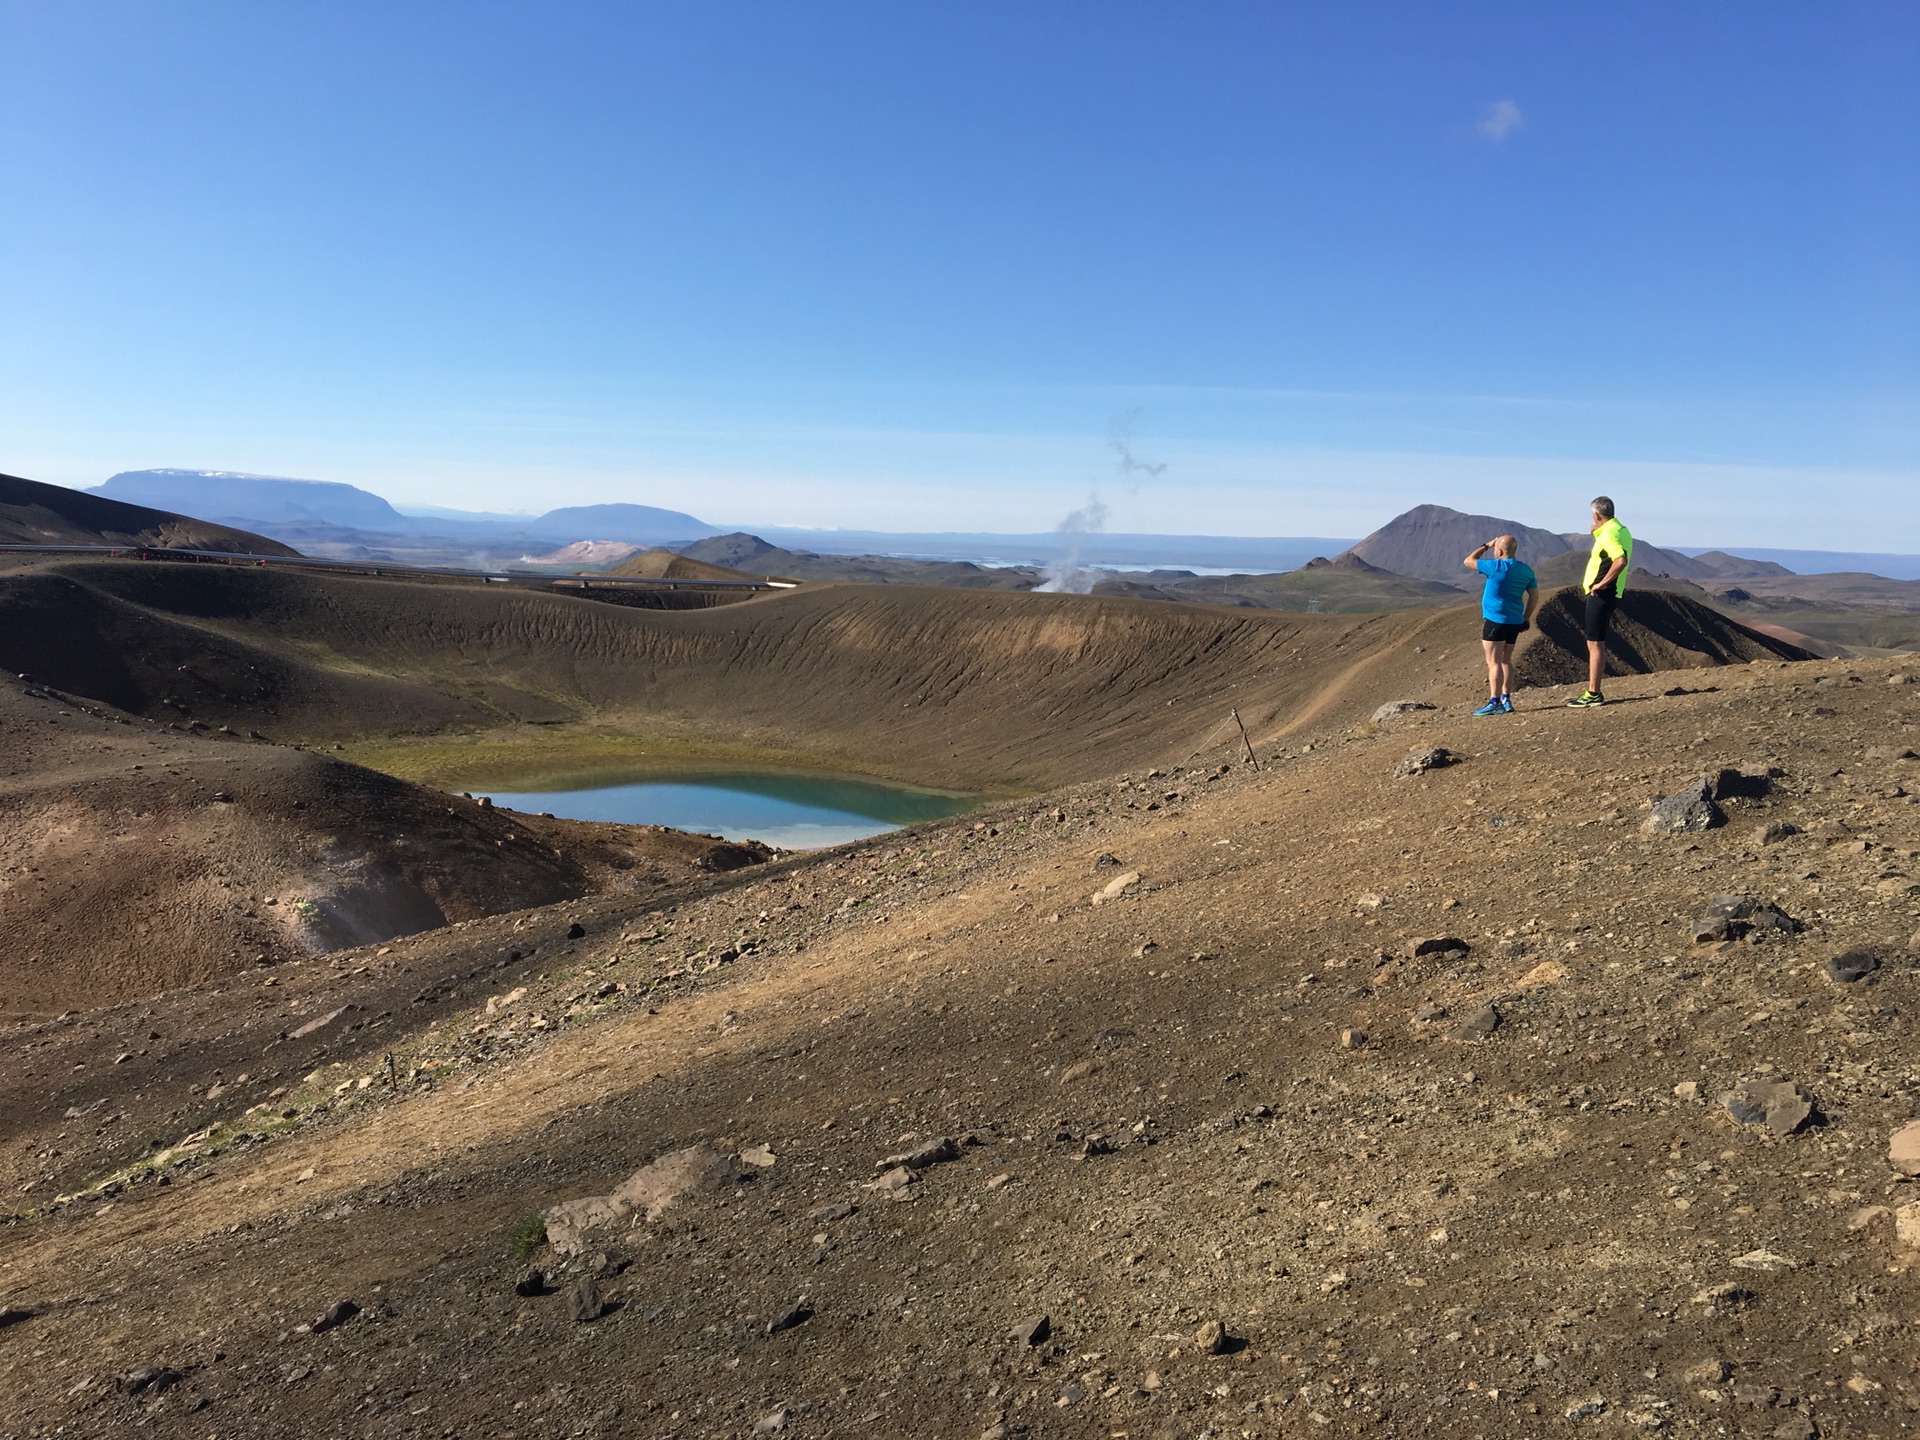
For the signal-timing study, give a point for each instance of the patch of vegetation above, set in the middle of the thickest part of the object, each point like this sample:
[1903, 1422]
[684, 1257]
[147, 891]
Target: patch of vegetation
[529, 1237]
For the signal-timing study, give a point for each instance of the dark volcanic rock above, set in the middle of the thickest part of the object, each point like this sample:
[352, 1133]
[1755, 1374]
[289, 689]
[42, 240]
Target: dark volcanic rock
[787, 1319]
[1033, 1330]
[142, 1378]
[1689, 809]
[1418, 762]
[338, 1313]
[1854, 965]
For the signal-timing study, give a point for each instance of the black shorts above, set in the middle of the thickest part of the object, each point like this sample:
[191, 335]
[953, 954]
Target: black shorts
[1599, 617]
[1501, 633]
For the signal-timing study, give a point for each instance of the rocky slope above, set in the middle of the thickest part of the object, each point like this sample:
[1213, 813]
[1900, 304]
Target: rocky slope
[1306, 1100]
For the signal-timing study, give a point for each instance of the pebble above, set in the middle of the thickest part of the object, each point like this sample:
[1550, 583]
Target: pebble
[1781, 1105]
[1586, 1409]
[838, 1210]
[534, 1282]
[1688, 1090]
[1419, 762]
[1351, 1039]
[142, 1378]
[1212, 1338]
[1852, 966]
[14, 1314]
[1903, 1149]
[1440, 945]
[1708, 1372]
[1394, 709]
[1775, 831]
[934, 1152]
[1688, 810]
[788, 1319]
[1033, 1330]
[337, 1314]
[770, 1423]
[587, 1304]
[1478, 1025]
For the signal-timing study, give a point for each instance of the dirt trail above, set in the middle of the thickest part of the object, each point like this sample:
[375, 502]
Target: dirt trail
[1461, 1222]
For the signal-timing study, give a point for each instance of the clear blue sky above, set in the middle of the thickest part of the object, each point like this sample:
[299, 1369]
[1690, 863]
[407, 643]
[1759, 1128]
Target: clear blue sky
[914, 265]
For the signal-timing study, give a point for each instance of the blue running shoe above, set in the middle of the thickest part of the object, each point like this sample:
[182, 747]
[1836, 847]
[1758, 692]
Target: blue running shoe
[1506, 704]
[1492, 707]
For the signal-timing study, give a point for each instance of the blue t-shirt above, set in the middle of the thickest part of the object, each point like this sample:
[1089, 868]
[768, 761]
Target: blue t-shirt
[1504, 601]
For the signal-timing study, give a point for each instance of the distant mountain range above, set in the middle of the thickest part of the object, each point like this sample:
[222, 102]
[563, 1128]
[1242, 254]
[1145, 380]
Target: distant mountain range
[309, 513]
[328, 518]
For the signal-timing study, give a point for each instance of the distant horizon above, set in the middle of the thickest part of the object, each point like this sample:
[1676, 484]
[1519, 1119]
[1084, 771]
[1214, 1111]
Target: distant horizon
[1906, 562]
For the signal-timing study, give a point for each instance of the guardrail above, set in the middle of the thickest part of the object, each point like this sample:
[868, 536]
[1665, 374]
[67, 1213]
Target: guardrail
[385, 569]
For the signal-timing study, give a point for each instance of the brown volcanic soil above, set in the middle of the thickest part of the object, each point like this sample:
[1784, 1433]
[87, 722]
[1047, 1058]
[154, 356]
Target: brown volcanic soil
[1426, 1233]
[976, 690]
[135, 858]
[32, 513]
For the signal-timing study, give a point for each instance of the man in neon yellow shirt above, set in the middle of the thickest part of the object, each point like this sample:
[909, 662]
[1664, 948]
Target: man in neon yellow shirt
[1604, 583]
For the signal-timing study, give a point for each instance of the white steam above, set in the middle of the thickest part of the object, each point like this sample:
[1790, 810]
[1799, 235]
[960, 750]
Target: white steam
[1066, 575]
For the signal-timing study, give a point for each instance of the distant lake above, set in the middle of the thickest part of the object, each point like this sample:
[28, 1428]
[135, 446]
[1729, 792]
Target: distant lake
[792, 812]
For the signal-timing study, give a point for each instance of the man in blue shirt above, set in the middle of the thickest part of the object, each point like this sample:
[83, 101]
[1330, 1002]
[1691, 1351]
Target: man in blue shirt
[1506, 608]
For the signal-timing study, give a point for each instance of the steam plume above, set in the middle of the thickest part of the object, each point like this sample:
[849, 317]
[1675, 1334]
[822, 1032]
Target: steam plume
[1066, 575]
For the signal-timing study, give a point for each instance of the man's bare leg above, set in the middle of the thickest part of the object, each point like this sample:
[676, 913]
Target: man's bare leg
[1492, 647]
[1500, 666]
[1596, 664]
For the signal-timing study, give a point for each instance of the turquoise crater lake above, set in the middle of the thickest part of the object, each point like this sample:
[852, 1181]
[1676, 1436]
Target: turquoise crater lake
[790, 812]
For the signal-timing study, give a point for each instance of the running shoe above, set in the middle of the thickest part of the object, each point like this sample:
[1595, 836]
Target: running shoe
[1506, 704]
[1492, 707]
[1586, 698]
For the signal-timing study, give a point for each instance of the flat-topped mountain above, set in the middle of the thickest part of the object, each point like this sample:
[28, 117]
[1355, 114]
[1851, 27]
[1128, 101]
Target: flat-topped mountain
[232, 495]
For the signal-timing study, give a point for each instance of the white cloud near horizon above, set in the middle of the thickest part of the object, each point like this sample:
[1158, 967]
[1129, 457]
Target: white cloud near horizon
[1500, 120]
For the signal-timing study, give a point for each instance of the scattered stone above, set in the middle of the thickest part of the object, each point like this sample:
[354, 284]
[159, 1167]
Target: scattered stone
[1079, 1070]
[771, 1423]
[576, 931]
[1430, 1011]
[1906, 1224]
[1097, 1145]
[1105, 857]
[787, 1319]
[1733, 917]
[1351, 1039]
[1394, 709]
[1687, 1090]
[15, 1314]
[587, 1304]
[647, 1192]
[761, 1157]
[1781, 1105]
[934, 1152]
[142, 1378]
[1213, 1339]
[1763, 1259]
[1758, 1396]
[1478, 1025]
[1687, 810]
[1890, 752]
[893, 1181]
[1903, 1150]
[1741, 784]
[1586, 1409]
[1774, 831]
[337, 1314]
[1116, 887]
[1852, 966]
[838, 1210]
[1796, 1427]
[533, 1283]
[1419, 762]
[1708, 1372]
[1730, 1292]
[1033, 1330]
[1440, 945]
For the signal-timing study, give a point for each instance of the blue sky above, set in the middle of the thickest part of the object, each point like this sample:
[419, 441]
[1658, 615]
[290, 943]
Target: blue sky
[917, 266]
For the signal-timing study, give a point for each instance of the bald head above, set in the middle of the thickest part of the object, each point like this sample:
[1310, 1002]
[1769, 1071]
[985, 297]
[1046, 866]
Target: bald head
[1504, 546]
